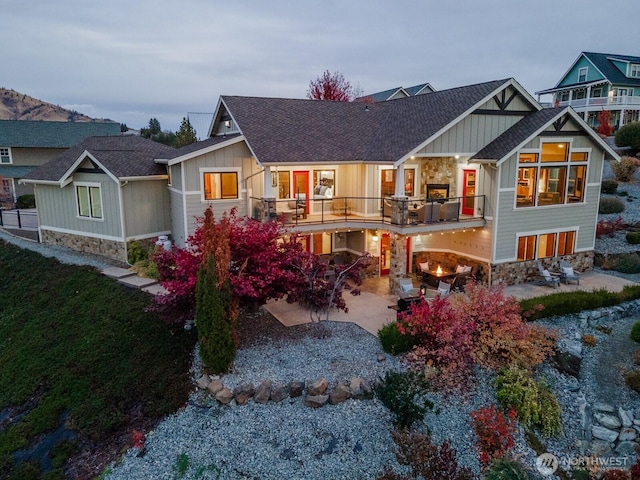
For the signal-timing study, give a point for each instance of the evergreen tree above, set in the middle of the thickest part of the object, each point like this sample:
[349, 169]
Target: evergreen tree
[217, 348]
[186, 135]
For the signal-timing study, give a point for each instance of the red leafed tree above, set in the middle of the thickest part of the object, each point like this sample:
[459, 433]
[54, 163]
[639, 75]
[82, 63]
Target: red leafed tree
[320, 292]
[331, 86]
[252, 255]
[604, 123]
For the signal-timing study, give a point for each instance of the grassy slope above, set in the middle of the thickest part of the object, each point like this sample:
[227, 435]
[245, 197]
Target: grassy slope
[78, 342]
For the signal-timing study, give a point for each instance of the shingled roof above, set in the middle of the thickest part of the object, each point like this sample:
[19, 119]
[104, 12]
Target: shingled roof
[123, 156]
[302, 131]
[602, 61]
[27, 133]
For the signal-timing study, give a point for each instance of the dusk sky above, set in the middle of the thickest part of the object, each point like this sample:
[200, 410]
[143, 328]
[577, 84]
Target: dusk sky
[133, 60]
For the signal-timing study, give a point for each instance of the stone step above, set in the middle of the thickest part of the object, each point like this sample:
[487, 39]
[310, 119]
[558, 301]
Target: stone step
[118, 273]
[137, 282]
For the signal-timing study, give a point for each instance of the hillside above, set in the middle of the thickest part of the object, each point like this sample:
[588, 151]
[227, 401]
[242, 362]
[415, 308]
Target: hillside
[18, 106]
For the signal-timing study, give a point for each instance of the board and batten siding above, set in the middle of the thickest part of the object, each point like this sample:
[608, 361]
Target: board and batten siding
[470, 135]
[175, 176]
[147, 211]
[178, 232]
[58, 210]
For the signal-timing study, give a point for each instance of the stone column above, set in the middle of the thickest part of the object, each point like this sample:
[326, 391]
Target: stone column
[398, 266]
[399, 210]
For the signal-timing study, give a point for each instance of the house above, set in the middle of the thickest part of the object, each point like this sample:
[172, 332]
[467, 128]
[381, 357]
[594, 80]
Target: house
[478, 176]
[26, 144]
[600, 81]
[398, 92]
[103, 193]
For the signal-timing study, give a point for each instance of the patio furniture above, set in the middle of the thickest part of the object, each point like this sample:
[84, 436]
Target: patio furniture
[568, 274]
[431, 212]
[406, 288]
[450, 211]
[386, 208]
[548, 278]
[444, 288]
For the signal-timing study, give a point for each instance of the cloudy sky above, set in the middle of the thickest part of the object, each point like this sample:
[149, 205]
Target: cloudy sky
[133, 60]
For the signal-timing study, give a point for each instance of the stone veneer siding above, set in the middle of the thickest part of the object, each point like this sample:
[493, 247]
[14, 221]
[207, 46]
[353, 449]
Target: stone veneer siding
[95, 246]
[398, 260]
[438, 170]
[523, 272]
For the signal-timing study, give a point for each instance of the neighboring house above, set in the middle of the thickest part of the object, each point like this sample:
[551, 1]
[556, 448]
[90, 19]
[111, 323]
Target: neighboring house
[102, 193]
[26, 144]
[600, 81]
[398, 92]
[480, 175]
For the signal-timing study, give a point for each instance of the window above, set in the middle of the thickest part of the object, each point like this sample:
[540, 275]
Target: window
[582, 74]
[554, 176]
[634, 70]
[89, 200]
[546, 245]
[220, 185]
[596, 93]
[5, 155]
[388, 182]
[564, 96]
[324, 183]
[526, 248]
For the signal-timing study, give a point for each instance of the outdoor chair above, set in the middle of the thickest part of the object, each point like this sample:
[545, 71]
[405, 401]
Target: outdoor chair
[386, 208]
[568, 274]
[450, 211]
[444, 288]
[406, 288]
[431, 212]
[548, 278]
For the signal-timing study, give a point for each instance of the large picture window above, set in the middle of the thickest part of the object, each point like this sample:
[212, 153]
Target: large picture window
[89, 201]
[532, 247]
[554, 175]
[220, 185]
[388, 182]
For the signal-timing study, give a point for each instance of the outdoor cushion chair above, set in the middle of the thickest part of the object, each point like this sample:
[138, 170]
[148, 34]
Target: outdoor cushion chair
[407, 289]
[431, 212]
[450, 211]
[444, 288]
[568, 274]
[548, 278]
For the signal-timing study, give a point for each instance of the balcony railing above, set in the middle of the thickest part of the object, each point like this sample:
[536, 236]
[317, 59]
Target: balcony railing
[399, 212]
[618, 102]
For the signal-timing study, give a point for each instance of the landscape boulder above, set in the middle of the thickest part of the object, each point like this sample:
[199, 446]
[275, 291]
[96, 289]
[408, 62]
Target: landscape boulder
[224, 396]
[317, 387]
[242, 393]
[339, 394]
[215, 386]
[278, 393]
[315, 401]
[295, 389]
[263, 392]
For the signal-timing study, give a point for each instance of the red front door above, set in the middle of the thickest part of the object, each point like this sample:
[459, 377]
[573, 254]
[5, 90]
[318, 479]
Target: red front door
[468, 191]
[301, 186]
[385, 254]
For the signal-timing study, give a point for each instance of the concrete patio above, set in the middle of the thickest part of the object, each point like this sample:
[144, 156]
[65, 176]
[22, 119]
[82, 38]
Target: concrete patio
[369, 309]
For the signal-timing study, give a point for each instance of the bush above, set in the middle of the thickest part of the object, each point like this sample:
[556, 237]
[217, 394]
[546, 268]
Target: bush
[609, 186]
[625, 169]
[26, 201]
[535, 404]
[399, 393]
[615, 474]
[505, 469]
[610, 205]
[566, 303]
[425, 460]
[629, 136]
[627, 263]
[589, 340]
[635, 332]
[633, 238]
[609, 227]
[632, 380]
[494, 431]
[393, 341]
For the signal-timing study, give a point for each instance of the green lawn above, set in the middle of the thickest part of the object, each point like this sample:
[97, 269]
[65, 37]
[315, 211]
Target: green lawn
[75, 342]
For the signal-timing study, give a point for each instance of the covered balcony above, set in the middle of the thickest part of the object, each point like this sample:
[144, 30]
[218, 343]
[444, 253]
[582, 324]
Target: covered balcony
[398, 214]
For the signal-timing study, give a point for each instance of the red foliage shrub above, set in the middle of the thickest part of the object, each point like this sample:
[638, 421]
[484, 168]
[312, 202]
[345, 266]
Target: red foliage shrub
[494, 431]
[615, 474]
[634, 471]
[609, 227]
[604, 123]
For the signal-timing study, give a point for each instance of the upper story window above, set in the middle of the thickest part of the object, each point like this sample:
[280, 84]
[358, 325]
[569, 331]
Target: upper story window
[552, 175]
[5, 155]
[388, 182]
[582, 74]
[89, 198]
[222, 185]
[634, 70]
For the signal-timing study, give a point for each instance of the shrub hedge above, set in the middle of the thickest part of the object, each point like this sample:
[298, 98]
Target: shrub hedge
[401, 393]
[633, 238]
[566, 303]
[625, 170]
[609, 186]
[635, 332]
[393, 342]
[610, 205]
[506, 469]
